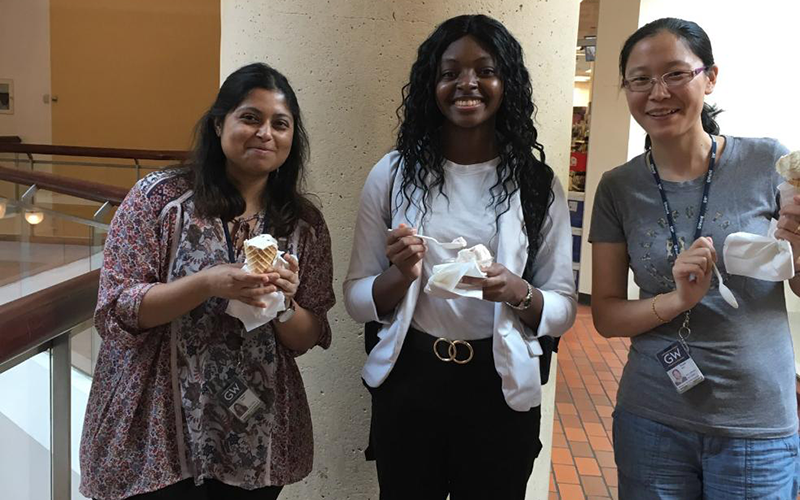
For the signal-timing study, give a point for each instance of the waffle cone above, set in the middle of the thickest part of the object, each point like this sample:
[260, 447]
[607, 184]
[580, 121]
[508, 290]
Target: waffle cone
[260, 260]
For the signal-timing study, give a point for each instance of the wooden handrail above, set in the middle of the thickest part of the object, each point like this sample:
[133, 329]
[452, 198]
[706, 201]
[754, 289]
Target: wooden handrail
[10, 139]
[34, 319]
[65, 185]
[133, 154]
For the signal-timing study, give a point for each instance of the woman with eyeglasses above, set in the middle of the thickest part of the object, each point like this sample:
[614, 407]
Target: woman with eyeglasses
[727, 428]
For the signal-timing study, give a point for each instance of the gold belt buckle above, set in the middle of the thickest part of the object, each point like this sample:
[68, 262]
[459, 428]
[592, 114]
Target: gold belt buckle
[452, 351]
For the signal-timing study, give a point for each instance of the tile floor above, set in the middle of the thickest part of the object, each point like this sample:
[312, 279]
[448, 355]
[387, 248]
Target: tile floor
[589, 368]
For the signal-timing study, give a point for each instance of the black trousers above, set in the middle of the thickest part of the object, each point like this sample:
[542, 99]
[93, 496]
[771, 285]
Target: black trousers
[442, 428]
[209, 490]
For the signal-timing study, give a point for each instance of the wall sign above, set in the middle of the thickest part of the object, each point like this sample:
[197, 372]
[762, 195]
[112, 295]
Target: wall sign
[6, 97]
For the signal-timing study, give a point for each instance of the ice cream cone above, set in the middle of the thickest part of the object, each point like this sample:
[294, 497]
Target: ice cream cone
[260, 253]
[260, 260]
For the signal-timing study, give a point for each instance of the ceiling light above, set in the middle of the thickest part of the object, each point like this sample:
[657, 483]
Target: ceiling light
[34, 218]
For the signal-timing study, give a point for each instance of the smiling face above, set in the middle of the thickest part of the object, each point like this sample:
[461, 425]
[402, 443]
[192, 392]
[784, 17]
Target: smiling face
[667, 113]
[469, 90]
[256, 136]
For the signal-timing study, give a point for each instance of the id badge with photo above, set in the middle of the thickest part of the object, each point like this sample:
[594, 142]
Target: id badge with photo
[240, 400]
[680, 367]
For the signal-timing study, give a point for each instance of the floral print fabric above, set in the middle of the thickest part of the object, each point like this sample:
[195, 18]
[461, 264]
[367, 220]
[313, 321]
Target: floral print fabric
[153, 416]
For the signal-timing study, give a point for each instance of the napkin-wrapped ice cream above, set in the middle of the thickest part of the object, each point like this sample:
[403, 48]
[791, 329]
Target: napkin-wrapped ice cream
[445, 282]
[765, 257]
[261, 256]
[479, 254]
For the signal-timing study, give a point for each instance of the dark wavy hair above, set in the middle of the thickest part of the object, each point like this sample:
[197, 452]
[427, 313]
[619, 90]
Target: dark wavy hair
[284, 196]
[698, 42]
[419, 141]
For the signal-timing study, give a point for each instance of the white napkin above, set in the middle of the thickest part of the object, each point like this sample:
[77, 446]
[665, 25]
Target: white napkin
[445, 282]
[251, 316]
[762, 257]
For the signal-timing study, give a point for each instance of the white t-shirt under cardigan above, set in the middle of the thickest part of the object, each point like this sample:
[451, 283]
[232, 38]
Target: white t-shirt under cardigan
[515, 347]
[465, 210]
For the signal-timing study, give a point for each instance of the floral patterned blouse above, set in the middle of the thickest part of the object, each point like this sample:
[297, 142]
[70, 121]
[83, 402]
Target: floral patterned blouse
[154, 416]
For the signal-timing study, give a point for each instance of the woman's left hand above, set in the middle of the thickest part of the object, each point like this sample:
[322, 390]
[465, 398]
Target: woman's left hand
[789, 226]
[285, 279]
[500, 285]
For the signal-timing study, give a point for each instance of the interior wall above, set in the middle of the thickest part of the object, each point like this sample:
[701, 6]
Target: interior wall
[25, 58]
[131, 74]
[348, 68]
[582, 94]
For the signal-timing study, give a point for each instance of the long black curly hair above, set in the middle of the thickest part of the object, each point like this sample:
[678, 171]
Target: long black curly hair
[284, 196]
[419, 141]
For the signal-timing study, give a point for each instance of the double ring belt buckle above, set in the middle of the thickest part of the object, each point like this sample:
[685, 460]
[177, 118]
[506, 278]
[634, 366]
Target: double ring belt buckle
[452, 351]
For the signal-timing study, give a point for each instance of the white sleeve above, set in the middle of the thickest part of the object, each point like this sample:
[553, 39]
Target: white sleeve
[368, 258]
[553, 270]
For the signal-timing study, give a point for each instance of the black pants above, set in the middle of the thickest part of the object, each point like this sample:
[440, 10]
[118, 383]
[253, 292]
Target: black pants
[209, 490]
[442, 428]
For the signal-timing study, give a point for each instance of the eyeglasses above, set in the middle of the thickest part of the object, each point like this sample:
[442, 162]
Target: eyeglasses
[670, 80]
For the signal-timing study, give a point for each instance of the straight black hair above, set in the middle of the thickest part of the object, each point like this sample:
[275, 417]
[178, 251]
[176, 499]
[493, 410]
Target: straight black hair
[698, 42]
[284, 196]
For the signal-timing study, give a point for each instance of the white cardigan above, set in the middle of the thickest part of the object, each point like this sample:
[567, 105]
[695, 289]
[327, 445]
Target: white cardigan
[516, 348]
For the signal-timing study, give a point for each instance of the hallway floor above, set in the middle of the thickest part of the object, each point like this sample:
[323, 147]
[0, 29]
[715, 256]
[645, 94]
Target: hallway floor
[589, 368]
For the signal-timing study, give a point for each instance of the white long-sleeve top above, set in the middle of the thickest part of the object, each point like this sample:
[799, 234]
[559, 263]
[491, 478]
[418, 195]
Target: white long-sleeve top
[515, 347]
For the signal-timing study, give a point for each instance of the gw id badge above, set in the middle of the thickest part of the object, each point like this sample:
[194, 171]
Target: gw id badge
[240, 400]
[680, 367]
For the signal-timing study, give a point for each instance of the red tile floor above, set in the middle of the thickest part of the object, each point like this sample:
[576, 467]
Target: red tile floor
[589, 368]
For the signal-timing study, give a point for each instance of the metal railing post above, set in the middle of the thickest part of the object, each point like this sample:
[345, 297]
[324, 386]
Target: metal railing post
[60, 421]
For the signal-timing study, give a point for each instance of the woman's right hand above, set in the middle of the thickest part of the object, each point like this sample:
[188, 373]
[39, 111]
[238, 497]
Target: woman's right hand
[696, 262]
[230, 281]
[406, 251]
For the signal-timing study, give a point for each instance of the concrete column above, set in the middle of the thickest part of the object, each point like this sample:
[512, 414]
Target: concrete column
[348, 60]
[610, 120]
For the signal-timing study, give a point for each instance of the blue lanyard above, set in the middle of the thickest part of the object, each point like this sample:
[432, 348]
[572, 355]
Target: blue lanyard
[229, 241]
[703, 202]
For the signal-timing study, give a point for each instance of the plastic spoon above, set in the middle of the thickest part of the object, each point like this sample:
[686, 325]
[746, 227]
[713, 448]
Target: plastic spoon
[456, 244]
[725, 291]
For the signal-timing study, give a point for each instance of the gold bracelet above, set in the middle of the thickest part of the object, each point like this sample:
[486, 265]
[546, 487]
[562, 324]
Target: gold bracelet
[653, 306]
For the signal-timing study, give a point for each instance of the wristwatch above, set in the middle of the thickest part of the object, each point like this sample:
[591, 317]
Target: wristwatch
[288, 313]
[526, 302]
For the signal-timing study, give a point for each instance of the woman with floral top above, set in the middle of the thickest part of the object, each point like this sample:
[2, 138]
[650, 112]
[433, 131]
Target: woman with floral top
[160, 423]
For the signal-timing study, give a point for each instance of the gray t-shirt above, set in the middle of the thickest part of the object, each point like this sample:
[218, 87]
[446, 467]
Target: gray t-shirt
[745, 354]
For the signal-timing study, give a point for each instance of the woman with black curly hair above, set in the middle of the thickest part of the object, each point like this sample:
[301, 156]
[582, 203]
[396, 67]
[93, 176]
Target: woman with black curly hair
[456, 382]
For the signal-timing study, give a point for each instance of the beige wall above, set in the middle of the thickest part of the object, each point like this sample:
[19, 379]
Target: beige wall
[25, 58]
[582, 94]
[131, 73]
[348, 59]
